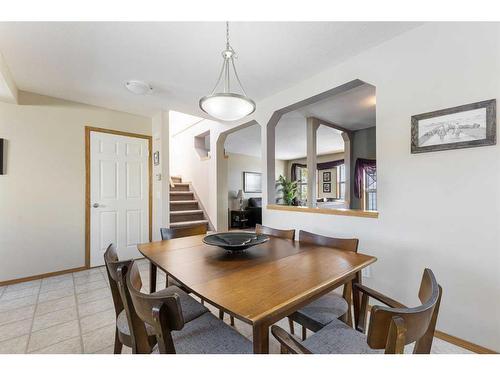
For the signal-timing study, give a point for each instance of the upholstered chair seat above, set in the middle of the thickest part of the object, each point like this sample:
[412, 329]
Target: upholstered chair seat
[322, 311]
[191, 309]
[338, 338]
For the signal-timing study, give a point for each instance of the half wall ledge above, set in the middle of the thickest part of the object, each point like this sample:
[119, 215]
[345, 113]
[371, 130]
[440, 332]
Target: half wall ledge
[325, 211]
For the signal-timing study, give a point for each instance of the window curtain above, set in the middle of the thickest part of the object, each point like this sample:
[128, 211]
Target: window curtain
[319, 167]
[362, 165]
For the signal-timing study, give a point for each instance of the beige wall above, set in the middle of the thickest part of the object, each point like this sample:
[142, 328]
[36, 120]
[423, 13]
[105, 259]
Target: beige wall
[236, 165]
[320, 159]
[42, 192]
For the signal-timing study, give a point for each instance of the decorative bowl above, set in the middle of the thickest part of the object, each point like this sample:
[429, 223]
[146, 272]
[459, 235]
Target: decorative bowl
[235, 241]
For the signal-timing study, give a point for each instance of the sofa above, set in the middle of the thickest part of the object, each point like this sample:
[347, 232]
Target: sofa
[254, 208]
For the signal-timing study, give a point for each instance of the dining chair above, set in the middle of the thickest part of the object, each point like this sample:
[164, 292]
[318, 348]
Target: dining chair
[389, 330]
[124, 310]
[171, 233]
[122, 331]
[328, 307]
[165, 313]
[288, 234]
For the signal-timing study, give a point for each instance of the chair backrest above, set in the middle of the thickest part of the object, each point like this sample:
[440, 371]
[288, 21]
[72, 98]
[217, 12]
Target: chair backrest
[112, 264]
[161, 311]
[415, 324]
[288, 234]
[347, 244]
[171, 233]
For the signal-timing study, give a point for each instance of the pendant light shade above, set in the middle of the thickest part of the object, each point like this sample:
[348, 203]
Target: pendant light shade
[225, 104]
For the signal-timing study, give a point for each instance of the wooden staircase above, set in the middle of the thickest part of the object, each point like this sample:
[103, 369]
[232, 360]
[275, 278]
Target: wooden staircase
[185, 210]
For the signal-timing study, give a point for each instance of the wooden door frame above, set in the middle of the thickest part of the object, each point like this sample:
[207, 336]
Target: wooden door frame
[149, 138]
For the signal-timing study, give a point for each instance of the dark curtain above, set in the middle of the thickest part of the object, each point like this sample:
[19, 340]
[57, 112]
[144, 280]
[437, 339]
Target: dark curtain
[319, 167]
[367, 165]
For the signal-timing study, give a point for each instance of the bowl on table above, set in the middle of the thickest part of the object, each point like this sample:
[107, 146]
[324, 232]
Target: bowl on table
[235, 241]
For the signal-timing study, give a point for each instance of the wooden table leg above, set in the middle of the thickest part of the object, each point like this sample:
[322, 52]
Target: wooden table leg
[356, 300]
[260, 338]
[152, 277]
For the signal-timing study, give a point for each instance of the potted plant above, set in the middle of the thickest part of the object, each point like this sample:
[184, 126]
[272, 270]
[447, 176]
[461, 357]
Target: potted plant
[288, 190]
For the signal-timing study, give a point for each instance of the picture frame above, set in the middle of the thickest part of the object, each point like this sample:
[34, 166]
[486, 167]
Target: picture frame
[327, 187]
[156, 158]
[327, 176]
[469, 125]
[252, 182]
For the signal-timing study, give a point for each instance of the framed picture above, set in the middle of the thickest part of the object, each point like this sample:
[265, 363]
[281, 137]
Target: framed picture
[252, 182]
[470, 125]
[327, 176]
[327, 187]
[156, 158]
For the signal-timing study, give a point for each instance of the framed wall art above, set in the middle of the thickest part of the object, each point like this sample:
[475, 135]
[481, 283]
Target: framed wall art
[470, 125]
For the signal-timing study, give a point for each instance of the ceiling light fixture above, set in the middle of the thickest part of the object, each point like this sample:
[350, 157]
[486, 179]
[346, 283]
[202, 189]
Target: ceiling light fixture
[138, 87]
[227, 105]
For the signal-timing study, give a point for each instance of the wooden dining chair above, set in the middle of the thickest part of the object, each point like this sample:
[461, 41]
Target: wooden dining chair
[323, 310]
[122, 330]
[165, 313]
[142, 336]
[390, 328]
[171, 233]
[288, 234]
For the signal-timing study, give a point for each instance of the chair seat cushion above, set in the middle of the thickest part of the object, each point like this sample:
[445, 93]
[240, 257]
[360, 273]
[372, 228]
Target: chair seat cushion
[322, 311]
[191, 309]
[209, 335]
[338, 338]
[122, 325]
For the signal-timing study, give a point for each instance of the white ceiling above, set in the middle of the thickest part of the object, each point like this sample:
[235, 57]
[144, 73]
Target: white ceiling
[353, 109]
[90, 62]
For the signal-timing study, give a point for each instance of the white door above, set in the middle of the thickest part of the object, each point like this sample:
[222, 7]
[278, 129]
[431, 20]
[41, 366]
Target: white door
[119, 195]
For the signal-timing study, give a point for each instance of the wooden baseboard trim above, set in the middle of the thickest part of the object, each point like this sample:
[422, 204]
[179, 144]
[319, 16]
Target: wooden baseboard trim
[43, 275]
[463, 343]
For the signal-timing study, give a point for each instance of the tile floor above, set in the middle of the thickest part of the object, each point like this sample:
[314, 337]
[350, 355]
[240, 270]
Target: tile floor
[74, 313]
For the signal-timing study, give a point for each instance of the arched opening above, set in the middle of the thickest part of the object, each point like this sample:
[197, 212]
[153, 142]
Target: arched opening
[328, 146]
[239, 177]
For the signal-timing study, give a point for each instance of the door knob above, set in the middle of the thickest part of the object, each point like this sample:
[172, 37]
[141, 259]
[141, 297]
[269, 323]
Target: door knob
[95, 205]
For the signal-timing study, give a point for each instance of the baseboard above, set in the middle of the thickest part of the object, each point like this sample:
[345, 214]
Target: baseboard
[463, 343]
[41, 276]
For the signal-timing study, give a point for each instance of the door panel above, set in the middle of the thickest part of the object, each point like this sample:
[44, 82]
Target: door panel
[119, 200]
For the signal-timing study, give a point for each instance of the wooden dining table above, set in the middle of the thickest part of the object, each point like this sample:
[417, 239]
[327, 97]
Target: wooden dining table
[260, 285]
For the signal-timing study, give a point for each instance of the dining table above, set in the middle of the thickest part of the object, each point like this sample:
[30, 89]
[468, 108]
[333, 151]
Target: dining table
[260, 285]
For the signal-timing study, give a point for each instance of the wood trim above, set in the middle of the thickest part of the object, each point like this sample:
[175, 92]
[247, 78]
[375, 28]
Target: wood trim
[149, 138]
[333, 211]
[463, 343]
[41, 276]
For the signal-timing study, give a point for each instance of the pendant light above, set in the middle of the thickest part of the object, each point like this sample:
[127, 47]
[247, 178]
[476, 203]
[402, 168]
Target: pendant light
[225, 104]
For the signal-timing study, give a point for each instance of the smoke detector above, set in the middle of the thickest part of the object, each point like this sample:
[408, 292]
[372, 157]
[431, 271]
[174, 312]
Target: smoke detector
[138, 87]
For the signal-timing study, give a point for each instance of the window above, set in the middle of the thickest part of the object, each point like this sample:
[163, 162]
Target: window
[341, 182]
[370, 189]
[302, 185]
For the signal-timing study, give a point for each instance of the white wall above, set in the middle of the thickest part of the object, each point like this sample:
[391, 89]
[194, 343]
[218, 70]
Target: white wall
[236, 165]
[161, 188]
[439, 210]
[42, 194]
[185, 161]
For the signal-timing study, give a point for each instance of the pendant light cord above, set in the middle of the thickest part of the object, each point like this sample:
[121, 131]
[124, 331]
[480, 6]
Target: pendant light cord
[225, 70]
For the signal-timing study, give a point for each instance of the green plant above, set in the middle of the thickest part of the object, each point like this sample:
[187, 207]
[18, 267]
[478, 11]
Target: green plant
[288, 189]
